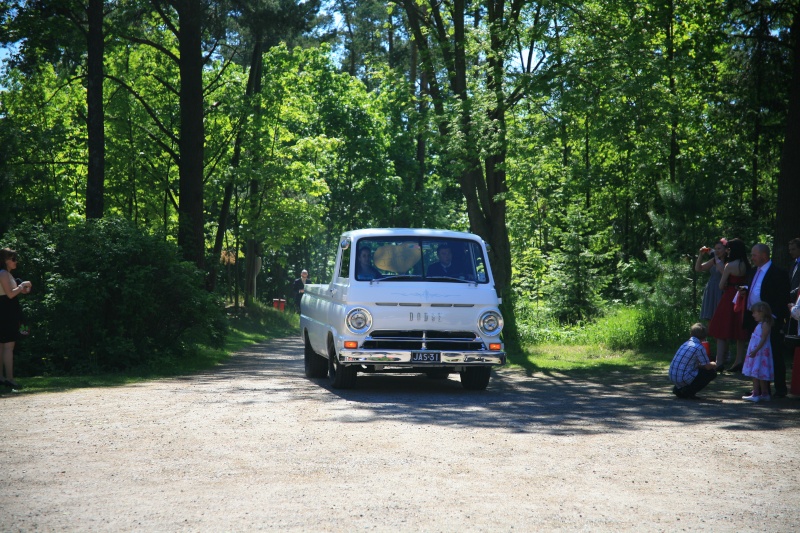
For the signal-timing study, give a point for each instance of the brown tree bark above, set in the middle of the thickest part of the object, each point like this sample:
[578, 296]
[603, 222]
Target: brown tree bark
[787, 219]
[191, 237]
[95, 182]
[482, 179]
[253, 87]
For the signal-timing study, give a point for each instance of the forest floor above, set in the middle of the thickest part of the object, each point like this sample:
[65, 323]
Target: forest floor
[254, 445]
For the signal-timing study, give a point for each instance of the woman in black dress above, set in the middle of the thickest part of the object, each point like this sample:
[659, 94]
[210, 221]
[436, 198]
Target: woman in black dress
[10, 312]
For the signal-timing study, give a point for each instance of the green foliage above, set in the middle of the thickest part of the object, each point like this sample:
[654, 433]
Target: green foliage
[664, 312]
[576, 278]
[108, 298]
[635, 132]
[257, 323]
[246, 328]
[620, 328]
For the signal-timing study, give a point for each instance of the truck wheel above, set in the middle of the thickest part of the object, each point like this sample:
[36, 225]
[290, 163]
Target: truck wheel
[438, 373]
[340, 377]
[316, 365]
[476, 378]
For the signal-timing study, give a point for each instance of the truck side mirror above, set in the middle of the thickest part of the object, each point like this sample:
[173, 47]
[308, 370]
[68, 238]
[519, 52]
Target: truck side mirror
[345, 244]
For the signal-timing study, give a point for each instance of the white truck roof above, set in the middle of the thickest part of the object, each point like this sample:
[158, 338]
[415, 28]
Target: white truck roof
[411, 232]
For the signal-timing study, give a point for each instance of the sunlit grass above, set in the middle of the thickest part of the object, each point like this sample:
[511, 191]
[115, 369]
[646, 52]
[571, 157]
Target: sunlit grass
[623, 338]
[591, 358]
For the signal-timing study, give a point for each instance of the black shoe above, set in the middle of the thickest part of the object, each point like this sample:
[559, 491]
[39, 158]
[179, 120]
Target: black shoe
[11, 383]
[735, 368]
[779, 394]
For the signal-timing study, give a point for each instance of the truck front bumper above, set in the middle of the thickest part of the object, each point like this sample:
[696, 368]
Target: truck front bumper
[404, 358]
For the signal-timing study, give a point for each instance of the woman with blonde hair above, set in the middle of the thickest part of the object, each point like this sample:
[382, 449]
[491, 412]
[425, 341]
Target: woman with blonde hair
[758, 364]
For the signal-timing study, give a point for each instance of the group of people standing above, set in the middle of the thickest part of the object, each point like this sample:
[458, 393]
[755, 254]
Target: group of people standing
[755, 301]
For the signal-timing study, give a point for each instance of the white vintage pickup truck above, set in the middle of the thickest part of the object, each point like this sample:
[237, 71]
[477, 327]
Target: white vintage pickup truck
[404, 300]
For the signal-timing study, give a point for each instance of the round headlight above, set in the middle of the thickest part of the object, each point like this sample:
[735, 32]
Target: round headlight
[358, 320]
[491, 323]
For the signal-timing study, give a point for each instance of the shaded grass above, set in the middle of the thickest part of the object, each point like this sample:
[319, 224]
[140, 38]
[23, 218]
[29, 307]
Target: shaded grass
[650, 366]
[245, 329]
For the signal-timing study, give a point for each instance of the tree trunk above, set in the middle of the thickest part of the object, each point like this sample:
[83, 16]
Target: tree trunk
[787, 220]
[253, 86]
[94, 101]
[191, 237]
[673, 93]
[483, 178]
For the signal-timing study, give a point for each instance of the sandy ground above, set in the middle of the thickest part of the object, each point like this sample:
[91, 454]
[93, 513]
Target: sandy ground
[254, 445]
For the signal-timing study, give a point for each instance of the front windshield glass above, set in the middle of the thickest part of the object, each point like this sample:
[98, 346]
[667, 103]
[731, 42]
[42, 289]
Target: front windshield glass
[420, 259]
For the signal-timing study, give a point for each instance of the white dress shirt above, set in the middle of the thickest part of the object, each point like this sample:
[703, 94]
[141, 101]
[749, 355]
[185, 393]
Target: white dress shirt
[754, 295]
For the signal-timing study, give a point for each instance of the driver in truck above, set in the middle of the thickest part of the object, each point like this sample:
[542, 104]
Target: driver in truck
[445, 266]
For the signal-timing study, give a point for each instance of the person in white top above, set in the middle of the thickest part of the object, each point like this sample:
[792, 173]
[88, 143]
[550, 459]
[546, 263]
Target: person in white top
[794, 311]
[794, 284]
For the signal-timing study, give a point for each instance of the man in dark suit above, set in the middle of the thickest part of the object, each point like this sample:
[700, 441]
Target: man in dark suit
[769, 283]
[299, 288]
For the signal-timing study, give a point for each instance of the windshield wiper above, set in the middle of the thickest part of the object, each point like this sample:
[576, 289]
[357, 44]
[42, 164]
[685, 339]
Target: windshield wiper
[401, 277]
[448, 279]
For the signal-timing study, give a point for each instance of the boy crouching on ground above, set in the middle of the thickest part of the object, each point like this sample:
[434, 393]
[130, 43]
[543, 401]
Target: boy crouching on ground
[690, 370]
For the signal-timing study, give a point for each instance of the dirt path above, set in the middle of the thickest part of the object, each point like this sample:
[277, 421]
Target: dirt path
[255, 445]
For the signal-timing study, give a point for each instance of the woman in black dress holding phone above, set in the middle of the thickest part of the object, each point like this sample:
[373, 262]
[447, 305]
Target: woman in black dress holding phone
[10, 312]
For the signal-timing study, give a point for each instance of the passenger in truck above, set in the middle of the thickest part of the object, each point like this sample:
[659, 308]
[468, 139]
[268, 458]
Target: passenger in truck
[365, 270]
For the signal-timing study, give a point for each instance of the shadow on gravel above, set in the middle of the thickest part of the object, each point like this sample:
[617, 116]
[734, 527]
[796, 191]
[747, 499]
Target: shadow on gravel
[541, 403]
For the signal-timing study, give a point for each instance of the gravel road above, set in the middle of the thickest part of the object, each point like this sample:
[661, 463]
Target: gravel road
[254, 445]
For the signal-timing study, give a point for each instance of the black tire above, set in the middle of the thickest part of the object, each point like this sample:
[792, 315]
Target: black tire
[340, 377]
[476, 378]
[316, 365]
[438, 373]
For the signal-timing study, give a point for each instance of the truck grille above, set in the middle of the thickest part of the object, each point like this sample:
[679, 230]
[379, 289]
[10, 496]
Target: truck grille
[423, 340]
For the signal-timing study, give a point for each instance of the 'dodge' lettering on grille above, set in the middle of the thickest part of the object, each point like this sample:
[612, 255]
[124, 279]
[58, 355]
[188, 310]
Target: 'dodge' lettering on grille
[425, 317]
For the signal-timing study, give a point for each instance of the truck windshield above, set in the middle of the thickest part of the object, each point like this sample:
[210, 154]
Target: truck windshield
[420, 259]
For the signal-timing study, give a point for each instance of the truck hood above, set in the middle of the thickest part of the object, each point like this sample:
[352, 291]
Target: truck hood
[408, 293]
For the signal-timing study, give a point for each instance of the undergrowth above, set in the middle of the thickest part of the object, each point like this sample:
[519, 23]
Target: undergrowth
[255, 324]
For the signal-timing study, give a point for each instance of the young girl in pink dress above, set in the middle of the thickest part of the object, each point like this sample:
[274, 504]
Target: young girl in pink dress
[758, 364]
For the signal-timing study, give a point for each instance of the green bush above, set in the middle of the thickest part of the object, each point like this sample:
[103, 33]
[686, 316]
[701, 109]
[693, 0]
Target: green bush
[660, 312]
[107, 297]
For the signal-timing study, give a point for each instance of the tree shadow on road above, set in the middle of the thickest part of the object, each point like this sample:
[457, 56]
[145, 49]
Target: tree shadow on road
[551, 403]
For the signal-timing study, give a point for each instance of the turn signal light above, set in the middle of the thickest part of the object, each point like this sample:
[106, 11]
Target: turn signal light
[495, 346]
[351, 344]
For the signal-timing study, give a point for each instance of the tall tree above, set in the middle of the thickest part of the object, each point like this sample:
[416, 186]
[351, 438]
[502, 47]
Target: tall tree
[261, 25]
[95, 179]
[787, 221]
[71, 33]
[470, 101]
[191, 236]
[186, 21]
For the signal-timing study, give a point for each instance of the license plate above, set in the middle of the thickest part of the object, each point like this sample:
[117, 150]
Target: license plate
[426, 357]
